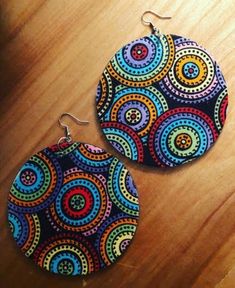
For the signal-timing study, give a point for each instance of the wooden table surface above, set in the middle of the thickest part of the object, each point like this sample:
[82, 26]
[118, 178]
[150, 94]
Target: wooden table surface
[52, 55]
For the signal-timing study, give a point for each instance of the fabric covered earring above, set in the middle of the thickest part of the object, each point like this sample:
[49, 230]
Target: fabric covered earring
[73, 208]
[162, 99]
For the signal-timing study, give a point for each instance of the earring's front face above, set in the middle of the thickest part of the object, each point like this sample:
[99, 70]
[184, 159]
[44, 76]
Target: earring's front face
[162, 100]
[73, 212]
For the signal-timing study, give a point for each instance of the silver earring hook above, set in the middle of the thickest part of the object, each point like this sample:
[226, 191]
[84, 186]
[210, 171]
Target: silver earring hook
[154, 29]
[68, 137]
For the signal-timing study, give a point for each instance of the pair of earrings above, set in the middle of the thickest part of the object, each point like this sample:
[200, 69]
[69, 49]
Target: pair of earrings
[73, 208]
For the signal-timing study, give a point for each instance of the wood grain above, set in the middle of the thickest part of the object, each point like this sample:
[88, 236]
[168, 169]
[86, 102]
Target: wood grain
[52, 54]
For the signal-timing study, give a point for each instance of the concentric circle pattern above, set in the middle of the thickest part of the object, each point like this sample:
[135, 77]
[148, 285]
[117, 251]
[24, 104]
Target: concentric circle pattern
[73, 211]
[144, 87]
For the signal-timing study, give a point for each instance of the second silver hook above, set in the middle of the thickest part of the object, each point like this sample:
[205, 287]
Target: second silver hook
[67, 132]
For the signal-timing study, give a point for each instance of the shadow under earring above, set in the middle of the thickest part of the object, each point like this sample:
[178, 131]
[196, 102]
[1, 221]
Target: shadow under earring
[73, 208]
[162, 99]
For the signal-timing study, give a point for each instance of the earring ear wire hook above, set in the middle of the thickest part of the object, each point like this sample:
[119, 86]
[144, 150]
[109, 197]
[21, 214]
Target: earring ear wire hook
[154, 29]
[68, 137]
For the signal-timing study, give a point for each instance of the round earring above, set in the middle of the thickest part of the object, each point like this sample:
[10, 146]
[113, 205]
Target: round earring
[162, 99]
[73, 208]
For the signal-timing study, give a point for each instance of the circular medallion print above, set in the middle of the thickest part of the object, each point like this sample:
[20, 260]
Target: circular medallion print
[162, 100]
[73, 211]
